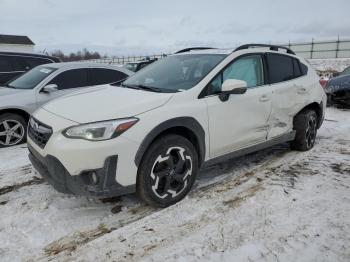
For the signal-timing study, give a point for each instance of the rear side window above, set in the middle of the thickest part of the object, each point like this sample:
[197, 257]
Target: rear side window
[100, 76]
[280, 68]
[71, 79]
[6, 64]
[31, 62]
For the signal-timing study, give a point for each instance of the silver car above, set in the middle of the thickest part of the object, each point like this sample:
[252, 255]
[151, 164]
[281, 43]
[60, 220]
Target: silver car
[22, 96]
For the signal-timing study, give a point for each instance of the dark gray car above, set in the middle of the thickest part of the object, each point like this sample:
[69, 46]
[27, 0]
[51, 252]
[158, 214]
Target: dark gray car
[338, 89]
[22, 96]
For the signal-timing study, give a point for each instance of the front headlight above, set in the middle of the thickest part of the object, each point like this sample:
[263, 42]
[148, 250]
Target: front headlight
[100, 130]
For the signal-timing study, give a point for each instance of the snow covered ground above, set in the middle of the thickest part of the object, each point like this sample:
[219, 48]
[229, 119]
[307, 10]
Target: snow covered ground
[274, 205]
[334, 64]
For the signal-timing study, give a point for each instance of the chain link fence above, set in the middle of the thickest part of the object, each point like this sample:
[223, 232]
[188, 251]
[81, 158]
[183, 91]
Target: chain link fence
[322, 49]
[311, 50]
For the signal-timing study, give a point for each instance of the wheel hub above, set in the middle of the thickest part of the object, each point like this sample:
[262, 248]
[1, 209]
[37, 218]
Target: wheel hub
[170, 173]
[11, 132]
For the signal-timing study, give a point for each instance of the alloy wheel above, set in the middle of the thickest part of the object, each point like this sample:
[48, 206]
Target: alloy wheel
[311, 132]
[11, 132]
[170, 173]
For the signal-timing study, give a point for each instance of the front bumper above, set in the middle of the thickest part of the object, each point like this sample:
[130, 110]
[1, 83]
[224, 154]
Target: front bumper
[96, 183]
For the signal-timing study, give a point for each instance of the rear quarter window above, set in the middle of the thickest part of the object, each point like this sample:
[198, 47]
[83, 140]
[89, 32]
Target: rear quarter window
[100, 76]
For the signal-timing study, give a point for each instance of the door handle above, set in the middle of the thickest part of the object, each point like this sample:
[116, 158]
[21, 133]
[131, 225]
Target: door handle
[301, 90]
[264, 98]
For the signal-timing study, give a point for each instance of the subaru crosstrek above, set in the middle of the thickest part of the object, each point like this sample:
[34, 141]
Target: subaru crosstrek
[152, 133]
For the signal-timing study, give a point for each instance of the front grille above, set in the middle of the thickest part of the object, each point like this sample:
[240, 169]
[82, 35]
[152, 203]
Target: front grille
[39, 132]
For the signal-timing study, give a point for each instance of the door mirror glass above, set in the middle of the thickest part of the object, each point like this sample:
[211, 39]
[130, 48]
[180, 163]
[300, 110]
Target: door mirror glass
[50, 88]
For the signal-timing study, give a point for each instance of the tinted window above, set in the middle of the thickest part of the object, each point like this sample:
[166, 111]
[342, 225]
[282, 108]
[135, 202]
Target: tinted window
[6, 63]
[32, 78]
[178, 72]
[303, 68]
[27, 63]
[131, 66]
[71, 79]
[296, 68]
[247, 68]
[280, 68]
[99, 76]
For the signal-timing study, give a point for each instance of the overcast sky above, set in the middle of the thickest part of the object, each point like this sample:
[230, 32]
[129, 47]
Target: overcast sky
[154, 26]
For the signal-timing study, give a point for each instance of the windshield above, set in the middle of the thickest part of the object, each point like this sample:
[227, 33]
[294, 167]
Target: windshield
[175, 73]
[30, 79]
[345, 72]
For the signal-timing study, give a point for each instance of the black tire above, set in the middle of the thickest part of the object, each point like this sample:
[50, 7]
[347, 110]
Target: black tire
[329, 100]
[17, 135]
[305, 125]
[166, 175]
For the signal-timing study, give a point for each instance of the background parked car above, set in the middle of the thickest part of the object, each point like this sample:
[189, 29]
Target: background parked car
[338, 89]
[136, 66]
[14, 64]
[21, 96]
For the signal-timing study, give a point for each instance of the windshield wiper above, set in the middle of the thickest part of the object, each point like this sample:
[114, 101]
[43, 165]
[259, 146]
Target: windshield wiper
[8, 86]
[143, 87]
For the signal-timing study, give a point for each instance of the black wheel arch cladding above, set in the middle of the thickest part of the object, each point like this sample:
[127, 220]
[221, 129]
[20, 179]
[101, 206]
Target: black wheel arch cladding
[188, 123]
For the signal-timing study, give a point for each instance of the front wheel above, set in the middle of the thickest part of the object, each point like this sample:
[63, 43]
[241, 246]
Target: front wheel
[305, 125]
[13, 130]
[167, 171]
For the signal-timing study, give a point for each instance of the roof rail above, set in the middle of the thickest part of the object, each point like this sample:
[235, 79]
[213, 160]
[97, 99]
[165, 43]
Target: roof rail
[193, 48]
[272, 47]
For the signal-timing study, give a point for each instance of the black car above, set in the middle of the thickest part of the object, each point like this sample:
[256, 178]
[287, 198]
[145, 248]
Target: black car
[136, 66]
[338, 89]
[14, 64]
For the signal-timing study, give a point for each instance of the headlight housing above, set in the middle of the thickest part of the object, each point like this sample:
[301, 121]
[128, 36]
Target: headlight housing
[100, 131]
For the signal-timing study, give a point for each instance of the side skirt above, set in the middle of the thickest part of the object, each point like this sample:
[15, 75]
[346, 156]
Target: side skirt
[241, 152]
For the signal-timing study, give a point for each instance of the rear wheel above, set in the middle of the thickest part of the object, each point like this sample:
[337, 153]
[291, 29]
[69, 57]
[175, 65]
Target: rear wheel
[13, 130]
[167, 171]
[305, 125]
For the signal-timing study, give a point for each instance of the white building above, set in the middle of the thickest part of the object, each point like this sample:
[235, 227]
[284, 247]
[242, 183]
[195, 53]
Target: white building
[16, 43]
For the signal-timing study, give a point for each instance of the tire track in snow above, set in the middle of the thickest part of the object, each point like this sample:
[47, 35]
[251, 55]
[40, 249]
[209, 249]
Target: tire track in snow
[68, 244]
[34, 181]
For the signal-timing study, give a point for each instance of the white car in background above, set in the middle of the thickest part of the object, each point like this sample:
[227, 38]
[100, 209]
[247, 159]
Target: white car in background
[183, 112]
[22, 96]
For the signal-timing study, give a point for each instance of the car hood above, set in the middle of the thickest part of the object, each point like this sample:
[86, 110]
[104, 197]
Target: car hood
[105, 102]
[338, 84]
[5, 92]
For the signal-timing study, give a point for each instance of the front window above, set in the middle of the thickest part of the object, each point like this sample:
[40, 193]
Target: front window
[175, 73]
[32, 78]
[248, 69]
[345, 72]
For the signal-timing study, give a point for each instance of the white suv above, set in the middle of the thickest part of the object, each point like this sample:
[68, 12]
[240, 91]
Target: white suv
[155, 131]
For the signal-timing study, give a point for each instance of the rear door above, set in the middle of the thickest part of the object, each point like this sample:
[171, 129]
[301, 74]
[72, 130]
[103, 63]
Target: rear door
[240, 121]
[67, 82]
[8, 68]
[285, 77]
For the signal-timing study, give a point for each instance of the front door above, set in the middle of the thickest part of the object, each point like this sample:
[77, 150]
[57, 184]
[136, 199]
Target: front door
[67, 82]
[242, 119]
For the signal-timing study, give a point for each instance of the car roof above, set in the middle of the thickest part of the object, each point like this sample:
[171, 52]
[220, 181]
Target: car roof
[222, 51]
[76, 65]
[28, 54]
[228, 51]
